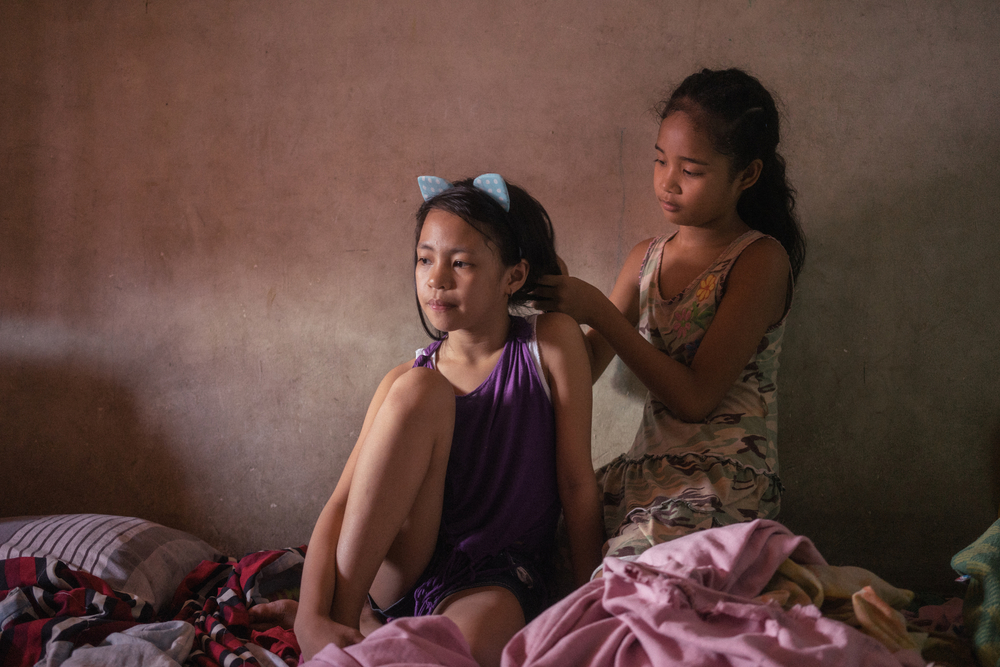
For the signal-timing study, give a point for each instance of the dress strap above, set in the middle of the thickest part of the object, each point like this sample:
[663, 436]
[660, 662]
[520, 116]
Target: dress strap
[649, 279]
[737, 247]
[725, 262]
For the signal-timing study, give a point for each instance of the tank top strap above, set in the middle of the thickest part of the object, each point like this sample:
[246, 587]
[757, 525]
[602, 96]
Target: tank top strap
[522, 331]
[426, 356]
[724, 264]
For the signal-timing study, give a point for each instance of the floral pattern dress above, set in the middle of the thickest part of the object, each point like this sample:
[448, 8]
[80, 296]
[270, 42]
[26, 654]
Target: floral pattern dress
[680, 477]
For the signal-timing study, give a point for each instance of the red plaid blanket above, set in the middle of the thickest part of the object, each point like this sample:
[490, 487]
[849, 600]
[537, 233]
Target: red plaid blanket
[46, 604]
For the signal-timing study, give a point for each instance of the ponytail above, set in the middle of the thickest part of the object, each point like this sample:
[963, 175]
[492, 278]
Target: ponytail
[742, 121]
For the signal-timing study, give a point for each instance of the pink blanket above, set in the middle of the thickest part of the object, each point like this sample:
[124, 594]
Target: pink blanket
[685, 602]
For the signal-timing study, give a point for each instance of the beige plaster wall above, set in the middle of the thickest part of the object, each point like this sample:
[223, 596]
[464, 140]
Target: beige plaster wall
[205, 239]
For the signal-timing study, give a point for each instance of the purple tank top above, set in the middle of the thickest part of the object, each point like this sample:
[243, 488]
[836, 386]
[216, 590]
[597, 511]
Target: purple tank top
[500, 489]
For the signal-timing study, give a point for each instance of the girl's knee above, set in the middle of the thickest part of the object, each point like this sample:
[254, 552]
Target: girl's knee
[422, 390]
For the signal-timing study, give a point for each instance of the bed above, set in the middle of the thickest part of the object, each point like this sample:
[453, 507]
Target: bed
[88, 589]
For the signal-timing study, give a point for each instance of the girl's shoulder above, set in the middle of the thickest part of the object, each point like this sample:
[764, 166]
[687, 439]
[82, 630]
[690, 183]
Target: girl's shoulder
[638, 256]
[554, 328]
[563, 357]
[642, 248]
[560, 344]
[560, 341]
[763, 255]
[762, 273]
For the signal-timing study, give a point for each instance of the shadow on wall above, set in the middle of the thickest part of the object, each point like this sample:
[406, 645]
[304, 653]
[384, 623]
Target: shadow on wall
[889, 438]
[625, 383]
[73, 442]
[910, 549]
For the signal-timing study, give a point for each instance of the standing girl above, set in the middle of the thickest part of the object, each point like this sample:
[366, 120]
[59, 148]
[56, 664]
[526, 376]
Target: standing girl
[449, 500]
[698, 316]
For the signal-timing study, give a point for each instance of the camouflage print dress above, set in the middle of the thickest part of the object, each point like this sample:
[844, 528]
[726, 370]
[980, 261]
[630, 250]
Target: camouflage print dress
[680, 477]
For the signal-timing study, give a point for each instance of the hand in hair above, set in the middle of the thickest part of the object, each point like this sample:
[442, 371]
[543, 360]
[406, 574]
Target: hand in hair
[582, 301]
[565, 294]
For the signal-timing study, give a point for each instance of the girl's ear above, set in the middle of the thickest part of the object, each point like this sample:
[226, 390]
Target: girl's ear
[515, 277]
[749, 176]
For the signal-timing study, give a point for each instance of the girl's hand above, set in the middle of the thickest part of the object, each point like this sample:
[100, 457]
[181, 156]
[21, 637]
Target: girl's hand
[587, 305]
[315, 634]
[279, 613]
[564, 294]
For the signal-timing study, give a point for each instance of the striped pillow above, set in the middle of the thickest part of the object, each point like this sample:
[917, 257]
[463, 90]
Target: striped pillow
[134, 556]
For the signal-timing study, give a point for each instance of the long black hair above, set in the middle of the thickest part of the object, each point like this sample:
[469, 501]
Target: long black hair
[524, 232]
[741, 119]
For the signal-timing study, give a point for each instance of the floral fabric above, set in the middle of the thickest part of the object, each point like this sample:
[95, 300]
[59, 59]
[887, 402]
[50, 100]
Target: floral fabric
[680, 477]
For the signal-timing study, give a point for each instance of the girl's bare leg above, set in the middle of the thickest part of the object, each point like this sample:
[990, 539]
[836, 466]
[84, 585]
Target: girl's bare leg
[393, 510]
[488, 617]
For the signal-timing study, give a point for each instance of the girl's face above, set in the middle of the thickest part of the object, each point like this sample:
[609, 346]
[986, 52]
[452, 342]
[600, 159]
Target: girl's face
[691, 179]
[461, 283]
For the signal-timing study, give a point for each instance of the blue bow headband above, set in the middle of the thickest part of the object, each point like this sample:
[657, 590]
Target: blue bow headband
[491, 184]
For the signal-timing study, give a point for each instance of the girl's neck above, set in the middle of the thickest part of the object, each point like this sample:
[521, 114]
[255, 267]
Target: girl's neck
[719, 236]
[471, 346]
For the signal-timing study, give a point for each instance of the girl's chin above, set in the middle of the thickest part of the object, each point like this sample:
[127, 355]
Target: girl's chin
[439, 322]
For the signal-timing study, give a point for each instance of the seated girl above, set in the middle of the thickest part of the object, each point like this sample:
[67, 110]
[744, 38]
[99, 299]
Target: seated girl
[449, 501]
[698, 314]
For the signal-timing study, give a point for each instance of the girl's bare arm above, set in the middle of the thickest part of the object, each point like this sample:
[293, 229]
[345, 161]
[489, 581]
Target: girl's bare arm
[756, 292]
[564, 358]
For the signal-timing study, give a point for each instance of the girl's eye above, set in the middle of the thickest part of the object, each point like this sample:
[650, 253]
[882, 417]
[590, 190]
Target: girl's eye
[423, 260]
[692, 173]
[460, 264]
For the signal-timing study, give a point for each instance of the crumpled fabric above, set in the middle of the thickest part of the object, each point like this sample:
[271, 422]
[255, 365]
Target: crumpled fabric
[981, 562]
[166, 644]
[685, 602]
[420, 641]
[690, 602]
